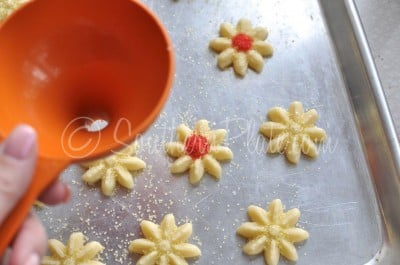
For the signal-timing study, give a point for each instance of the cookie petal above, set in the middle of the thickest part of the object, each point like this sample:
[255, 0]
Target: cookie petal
[255, 61]
[227, 30]
[264, 48]
[220, 44]
[225, 58]
[240, 63]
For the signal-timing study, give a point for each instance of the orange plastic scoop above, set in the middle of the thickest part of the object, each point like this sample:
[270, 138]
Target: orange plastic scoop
[65, 64]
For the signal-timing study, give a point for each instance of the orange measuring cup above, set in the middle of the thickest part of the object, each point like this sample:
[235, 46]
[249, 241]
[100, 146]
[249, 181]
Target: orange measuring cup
[68, 66]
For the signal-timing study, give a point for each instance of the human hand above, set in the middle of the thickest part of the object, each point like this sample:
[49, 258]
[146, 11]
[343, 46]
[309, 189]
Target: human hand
[18, 154]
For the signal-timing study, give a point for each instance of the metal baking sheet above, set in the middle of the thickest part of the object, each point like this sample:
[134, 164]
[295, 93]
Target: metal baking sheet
[347, 196]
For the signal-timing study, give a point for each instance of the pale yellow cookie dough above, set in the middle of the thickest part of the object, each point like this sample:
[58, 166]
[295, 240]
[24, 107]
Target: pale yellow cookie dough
[39, 204]
[273, 232]
[243, 46]
[8, 6]
[164, 244]
[75, 252]
[114, 168]
[293, 131]
[198, 151]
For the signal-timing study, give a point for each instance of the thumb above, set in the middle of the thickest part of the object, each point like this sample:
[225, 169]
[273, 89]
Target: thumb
[17, 164]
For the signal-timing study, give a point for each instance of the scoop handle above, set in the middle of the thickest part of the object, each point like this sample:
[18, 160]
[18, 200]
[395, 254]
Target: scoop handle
[47, 171]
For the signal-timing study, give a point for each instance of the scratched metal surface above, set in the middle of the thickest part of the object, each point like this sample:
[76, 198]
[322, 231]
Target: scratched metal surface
[334, 192]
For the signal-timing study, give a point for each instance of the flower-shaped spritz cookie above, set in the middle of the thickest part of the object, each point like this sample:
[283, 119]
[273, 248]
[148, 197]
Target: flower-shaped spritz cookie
[273, 232]
[114, 168]
[198, 150]
[243, 46]
[293, 131]
[164, 244]
[74, 253]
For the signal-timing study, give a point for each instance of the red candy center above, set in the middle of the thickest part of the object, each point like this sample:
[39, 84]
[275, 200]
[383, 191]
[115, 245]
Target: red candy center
[242, 42]
[196, 146]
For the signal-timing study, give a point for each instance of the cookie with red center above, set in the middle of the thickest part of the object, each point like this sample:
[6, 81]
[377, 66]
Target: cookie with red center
[199, 151]
[242, 47]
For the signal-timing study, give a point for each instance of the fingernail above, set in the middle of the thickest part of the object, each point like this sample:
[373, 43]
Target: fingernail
[67, 194]
[20, 142]
[33, 260]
